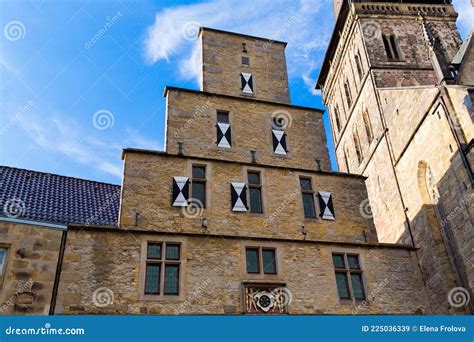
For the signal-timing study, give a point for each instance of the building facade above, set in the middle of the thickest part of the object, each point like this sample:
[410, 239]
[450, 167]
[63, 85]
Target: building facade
[398, 83]
[240, 214]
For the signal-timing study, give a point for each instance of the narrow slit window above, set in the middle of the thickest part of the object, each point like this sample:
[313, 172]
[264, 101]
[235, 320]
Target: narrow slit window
[255, 191]
[308, 197]
[198, 185]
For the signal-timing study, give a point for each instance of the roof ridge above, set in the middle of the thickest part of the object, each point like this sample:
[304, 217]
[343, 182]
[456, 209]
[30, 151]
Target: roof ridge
[58, 175]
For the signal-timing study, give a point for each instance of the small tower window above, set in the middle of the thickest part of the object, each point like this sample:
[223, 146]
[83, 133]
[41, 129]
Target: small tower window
[348, 94]
[359, 66]
[367, 125]
[355, 136]
[391, 47]
[337, 118]
[345, 158]
[245, 61]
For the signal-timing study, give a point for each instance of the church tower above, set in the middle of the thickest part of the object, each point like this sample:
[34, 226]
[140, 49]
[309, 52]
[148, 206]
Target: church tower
[402, 114]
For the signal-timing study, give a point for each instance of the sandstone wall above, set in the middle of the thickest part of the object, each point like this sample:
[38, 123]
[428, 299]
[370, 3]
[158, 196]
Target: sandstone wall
[30, 268]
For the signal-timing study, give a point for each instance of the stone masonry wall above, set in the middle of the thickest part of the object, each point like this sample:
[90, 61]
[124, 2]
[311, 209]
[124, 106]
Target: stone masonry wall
[29, 269]
[191, 119]
[147, 190]
[222, 54]
[213, 270]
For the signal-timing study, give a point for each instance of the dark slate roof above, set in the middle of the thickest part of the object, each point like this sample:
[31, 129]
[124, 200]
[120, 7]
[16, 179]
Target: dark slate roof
[45, 197]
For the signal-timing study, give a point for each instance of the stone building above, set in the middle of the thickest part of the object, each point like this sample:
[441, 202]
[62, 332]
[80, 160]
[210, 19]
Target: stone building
[36, 209]
[398, 83]
[240, 214]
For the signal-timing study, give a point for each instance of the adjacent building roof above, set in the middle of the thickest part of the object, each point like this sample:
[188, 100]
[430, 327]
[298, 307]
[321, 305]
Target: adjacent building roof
[462, 50]
[55, 199]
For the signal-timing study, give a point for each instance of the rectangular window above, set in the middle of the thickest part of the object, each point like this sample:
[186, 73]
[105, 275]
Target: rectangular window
[391, 47]
[261, 259]
[3, 256]
[245, 61]
[224, 134]
[198, 186]
[308, 197]
[348, 276]
[162, 273]
[252, 260]
[255, 191]
[222, 117]
[269, 261]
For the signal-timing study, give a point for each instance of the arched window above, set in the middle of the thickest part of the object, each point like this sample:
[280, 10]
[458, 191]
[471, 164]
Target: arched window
[359, 66]
[337, 118]
[348, 94]
[345, 152]
[368, 126]
[355, 136]
[391, 47]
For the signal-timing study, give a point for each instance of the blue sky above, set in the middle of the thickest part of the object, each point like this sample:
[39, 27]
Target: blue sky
[80, 80]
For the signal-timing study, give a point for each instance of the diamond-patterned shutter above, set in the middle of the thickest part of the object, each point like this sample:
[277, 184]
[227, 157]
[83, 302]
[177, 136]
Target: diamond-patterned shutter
[180, 191]
[247, 82]
[279, 142]
[238, 196]
[325, 205]
[223, 135]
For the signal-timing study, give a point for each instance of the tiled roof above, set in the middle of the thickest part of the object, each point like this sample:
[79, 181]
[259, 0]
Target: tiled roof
[44, 197]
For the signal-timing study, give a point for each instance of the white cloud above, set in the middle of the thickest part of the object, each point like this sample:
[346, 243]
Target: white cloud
[84, 145]
[466, 15]
[304, 24]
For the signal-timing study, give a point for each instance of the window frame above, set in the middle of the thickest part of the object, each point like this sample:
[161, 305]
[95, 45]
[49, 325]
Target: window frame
[357, 146]
[199, 180]
[348, 94]
[337, 118]
[226, 112]
[359, 67]
[6, 249]
[368, 126]
[260, 261]
[162, 261]
[392, 50]
[308, 192]
[258, 186]
[348, 272]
